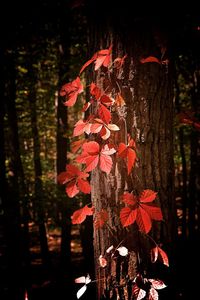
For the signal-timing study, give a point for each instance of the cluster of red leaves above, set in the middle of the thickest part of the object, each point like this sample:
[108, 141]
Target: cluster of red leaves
[75, 181]
[93, 155]
[138, 209]
[146, 288]
[71, 91]
[80, 215]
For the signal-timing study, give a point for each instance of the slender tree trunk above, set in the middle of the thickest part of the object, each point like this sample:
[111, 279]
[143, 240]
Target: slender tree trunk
[194, 161]
[183, 187]
[148, 117]
[20, 179]
[39, 198]
[12, 205]
[62, 148]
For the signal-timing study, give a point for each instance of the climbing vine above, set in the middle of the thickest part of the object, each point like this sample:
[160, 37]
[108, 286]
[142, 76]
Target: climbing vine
[98, 142]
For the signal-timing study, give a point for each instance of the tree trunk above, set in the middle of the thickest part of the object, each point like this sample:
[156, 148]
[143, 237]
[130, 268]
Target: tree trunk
[39, 200]
[183, 186]
[62, 148]
[148, 117]
[12, 204]
[194, 161]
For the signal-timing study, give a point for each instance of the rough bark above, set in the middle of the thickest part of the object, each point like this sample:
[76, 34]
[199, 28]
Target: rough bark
[148, 117]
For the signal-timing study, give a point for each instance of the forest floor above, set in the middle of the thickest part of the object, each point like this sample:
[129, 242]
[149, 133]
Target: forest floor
[47, 285]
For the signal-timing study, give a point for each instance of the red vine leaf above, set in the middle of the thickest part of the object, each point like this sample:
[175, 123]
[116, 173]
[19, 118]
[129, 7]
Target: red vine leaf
[138, 293]
[163, 256]
[102, 57]
[103, 129]
[147, 196]
[80, 214]
[119, 62]
[143, 220]
[95, 91]
[157, 284]
[104, 113]
[128, 216]
[119, 100]
[94, 57]
[150, 59]
[71, 90]
[128, 152]
[138, 211]
[76, 145]
[154, 212]
[81, 127]
[75, 181]
[102, 261]
[153, 294]
[154, 254]
[101, 218]
[92, 156]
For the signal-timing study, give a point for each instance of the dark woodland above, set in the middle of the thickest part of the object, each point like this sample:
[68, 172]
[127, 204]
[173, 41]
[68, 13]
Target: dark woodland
[43, 46]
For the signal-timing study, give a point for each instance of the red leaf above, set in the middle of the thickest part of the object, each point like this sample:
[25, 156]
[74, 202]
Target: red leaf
[120, 100]
[157, 284]
[102, 261]
[80, 215]
[153, 294]
[101, 218]
[105, 163]
[103, 58]
[131, 157]
[76, 145]
[122, 150]
[71, 91]
[150, 59]
[154, 254]
[106, 100]
[128, 216]
[138, 293]
[100, 58]
[72, 177]
[62, 178]
[71, 189]
[88, 63]
[119, 61]
[163, 256]
[92, 155]
[104, 114]
[153, 211]
[89, 156]
[128, 152]
[84, 186]
[147, 196]
[143, 220]
[86, 106]
[81, 127]
[129, 199]
[95, 91]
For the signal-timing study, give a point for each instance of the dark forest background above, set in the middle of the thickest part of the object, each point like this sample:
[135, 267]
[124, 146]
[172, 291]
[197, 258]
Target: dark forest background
[43, 45]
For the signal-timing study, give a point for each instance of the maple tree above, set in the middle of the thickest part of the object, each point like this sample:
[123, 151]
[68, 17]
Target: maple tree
[95, 152]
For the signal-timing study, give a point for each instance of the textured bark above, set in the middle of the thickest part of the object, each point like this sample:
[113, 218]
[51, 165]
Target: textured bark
[148, 117]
